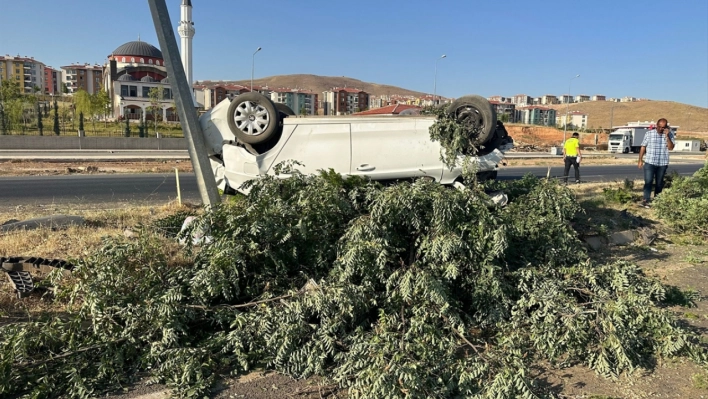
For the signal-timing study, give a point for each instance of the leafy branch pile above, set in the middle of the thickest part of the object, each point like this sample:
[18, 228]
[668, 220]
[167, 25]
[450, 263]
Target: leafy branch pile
[412, 290]
[684, 205]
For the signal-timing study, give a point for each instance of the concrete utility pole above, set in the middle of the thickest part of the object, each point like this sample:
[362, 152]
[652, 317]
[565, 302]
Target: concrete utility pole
[435, 79]
[567, 108]
[183, 102]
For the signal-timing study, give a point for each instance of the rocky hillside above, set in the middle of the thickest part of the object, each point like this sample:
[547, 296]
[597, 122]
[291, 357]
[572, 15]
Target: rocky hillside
[689, 118]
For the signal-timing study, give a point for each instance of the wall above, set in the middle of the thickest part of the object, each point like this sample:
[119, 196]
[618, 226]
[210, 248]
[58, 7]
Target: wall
[90, 143]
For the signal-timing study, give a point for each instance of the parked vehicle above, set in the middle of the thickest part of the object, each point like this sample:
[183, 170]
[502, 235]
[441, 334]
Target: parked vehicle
[628, 138]
[248, 135]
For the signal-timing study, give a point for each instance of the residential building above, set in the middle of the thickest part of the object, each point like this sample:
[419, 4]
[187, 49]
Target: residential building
[500, 99]
[598, 97]
[27, 72]
[581, 98]
[577, 119]
[300, 101]
[549, 99]
[131, 72]
[565, 99]
[344, 101]
[521, 100]
[393, 109]
[627, 99]
[377, 102]
[82, 77]
[502, 109]
[535, 115]
[52, 81]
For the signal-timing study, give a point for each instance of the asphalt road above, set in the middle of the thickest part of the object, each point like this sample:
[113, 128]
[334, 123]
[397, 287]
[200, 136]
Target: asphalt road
[161, 188]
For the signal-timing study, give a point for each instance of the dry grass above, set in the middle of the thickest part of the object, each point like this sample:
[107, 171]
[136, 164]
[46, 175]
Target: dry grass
[601, 112]
[75, 241]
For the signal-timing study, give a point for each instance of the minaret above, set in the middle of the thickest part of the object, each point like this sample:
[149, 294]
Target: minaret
[186, 32]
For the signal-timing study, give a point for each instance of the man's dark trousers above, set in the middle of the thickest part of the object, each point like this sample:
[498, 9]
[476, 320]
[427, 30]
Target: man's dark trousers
[571, 161]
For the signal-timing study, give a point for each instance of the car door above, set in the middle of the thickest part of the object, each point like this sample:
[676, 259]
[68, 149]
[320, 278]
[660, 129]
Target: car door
[394, 148]
[318, 146]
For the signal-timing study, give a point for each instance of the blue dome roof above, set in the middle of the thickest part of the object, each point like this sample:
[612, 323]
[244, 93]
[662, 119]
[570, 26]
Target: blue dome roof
[138, 48]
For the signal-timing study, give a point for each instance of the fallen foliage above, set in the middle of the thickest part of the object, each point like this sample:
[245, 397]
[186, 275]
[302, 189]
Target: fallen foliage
[684, 205]
[411, 290]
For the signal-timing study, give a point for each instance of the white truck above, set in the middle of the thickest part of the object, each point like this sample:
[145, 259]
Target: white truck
[628, 138]
[246, 136]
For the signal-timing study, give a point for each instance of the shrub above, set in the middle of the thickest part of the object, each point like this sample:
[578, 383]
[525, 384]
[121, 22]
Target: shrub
[412, 290]
[684, 205]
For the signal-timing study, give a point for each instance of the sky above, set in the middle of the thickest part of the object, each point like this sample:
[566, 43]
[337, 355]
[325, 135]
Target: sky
[656, 49]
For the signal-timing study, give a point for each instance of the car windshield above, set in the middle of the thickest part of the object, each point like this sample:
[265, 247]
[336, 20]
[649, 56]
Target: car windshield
[615, 137]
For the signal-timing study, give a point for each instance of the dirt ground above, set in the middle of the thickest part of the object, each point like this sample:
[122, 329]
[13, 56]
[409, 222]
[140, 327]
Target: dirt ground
[49, 168]
[677, 260]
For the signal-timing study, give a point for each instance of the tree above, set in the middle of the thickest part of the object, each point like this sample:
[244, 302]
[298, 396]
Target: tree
[156, 97]
[82, 102]
[101, 102]
[40, 125]
[64, 88]
[127, 127]
[56, 118]
[81, 121]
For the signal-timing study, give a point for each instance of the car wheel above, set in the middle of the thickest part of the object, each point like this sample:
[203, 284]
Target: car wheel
[625, 151]
[253, 118]
[478, 116]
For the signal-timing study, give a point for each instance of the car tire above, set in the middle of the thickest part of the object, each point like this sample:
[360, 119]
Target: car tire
[626, 151]
[478, 114]
[253, 118]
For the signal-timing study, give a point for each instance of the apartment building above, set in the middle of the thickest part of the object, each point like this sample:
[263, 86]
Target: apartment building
[500, 99]
[565, 99]
[577, 119]
[549, 99]
[344, 101]
[521, 100]
[503, 108]
[82, 77]
[598, 97]
[52, 80]
[302, 102]
[27, 72]
[535, 115]
[581, 98]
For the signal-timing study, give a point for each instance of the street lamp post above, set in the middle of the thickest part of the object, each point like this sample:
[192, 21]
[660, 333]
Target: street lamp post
[435, 80]
[253, 65]
[688, 122]
[567, 108]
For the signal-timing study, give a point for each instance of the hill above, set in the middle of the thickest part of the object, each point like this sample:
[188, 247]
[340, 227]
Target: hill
[689, 118]
[318, 84]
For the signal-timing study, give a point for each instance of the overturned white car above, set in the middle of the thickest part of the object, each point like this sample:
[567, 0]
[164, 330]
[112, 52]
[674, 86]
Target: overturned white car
[248, 135]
